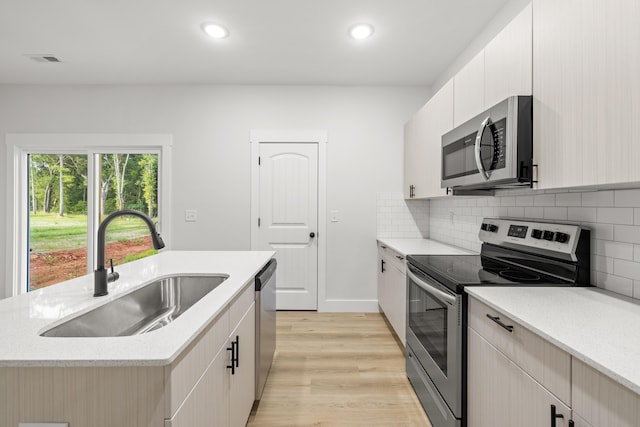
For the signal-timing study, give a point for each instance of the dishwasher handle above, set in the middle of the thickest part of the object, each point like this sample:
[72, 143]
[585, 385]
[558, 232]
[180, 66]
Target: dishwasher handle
[263, 277]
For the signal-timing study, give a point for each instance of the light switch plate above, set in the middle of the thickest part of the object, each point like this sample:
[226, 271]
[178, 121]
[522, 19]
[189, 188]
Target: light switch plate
[334, 216]
[43, 424]
[190, 215]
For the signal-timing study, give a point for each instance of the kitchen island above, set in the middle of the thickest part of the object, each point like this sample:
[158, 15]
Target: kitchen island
[169, 376]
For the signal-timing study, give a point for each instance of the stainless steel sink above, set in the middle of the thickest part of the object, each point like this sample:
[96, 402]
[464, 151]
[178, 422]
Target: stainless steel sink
[144, 310]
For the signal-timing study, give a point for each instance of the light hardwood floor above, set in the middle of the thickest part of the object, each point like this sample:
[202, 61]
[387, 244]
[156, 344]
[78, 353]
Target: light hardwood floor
[337, 369]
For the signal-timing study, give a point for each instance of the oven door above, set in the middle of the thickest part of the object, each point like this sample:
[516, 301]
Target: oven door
[434, 333]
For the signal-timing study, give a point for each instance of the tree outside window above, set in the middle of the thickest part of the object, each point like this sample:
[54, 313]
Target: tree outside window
[58, 201]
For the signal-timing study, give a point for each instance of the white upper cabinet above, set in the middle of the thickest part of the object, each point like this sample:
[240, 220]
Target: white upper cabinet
[502, 69]
[468, 93]
[508, 60]
[423, 145]
[586, 56]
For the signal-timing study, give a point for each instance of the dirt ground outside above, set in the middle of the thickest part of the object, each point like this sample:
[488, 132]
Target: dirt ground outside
[54, 267]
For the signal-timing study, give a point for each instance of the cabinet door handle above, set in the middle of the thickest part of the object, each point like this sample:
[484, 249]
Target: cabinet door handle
[499, 322]
[554, 416]
[382, 270]
[237, 351]
[401, 258]
[572, 423]
[232, 349]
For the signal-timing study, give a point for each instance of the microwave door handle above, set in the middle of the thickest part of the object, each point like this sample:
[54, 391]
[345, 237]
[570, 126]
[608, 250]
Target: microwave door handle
[432, 290]
[478, 148]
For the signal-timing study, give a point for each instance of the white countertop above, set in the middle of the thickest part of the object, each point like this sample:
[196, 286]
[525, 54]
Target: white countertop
[25, 317]
[422, 247]
[590, 324]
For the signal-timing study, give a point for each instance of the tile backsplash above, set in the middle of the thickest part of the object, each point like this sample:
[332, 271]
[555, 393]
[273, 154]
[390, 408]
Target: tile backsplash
[612, 215]
[402, 219]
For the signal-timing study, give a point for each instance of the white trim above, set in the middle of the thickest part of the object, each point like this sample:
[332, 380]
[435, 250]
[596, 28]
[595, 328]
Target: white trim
[296, 136]
[17, 147]
[351, 306]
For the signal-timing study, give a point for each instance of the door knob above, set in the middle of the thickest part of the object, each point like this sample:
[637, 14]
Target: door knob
[312, 235]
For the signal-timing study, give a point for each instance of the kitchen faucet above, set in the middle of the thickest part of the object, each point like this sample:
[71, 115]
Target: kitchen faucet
[101, 275]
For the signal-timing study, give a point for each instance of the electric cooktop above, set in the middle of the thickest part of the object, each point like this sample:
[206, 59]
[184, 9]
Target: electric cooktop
[476, 270]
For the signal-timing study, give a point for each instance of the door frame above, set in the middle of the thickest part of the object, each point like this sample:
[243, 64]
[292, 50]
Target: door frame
[312, 136]
[19, 144]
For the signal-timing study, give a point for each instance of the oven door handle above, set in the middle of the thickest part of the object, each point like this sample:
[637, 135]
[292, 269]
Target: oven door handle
[478, 148]
[449, 299]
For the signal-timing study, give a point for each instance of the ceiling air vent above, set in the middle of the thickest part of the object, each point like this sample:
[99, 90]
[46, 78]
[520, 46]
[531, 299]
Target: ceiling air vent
[43, 58]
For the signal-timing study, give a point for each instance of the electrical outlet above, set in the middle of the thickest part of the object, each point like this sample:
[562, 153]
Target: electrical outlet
[190, 215]
[334, 216]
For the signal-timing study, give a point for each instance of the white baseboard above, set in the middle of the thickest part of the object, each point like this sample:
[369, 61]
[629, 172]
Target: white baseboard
[348, 306]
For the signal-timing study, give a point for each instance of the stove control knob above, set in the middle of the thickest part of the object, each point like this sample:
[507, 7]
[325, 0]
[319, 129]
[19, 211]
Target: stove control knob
[547, 235]
[492, 228]
[483, 227]
[562, 237]
[536, 234]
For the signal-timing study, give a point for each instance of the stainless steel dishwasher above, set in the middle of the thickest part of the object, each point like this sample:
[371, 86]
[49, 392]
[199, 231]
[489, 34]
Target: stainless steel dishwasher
[265, 323]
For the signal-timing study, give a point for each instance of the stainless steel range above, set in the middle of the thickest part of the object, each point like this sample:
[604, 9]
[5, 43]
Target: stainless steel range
[514, 253]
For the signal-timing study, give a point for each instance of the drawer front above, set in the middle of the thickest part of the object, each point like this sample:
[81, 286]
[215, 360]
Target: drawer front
[240, 306]
[183, 374]
[545, 362]
[392, 257]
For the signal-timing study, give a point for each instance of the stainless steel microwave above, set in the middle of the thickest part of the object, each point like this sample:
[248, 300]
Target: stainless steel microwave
[492, 150]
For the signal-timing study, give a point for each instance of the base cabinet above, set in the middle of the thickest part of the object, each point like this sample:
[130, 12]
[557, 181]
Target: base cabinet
[222, 396]
[514, 377]
[392, 289]
[598, 401]
[502, 394]
[242, 382]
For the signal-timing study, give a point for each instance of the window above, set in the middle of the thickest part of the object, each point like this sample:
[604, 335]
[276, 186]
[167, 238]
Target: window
[63, 194]
[58, 210]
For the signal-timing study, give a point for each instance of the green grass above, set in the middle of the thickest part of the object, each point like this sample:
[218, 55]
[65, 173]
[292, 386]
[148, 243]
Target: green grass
[49, 232]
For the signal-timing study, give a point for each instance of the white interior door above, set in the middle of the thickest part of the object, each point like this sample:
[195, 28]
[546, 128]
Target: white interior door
[288, 220]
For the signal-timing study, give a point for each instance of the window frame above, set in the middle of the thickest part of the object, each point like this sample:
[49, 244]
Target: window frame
[20, 145]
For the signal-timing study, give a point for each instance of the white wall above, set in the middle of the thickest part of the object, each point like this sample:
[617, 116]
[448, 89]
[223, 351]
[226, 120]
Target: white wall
[210, 126]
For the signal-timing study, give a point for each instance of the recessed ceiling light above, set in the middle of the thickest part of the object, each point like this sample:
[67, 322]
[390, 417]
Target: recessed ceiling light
[216, 31]
[361, 31]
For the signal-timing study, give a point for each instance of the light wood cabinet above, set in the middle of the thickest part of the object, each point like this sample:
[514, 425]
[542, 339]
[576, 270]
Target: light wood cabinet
[598, 401]
[242, 383]
[423, 145]
[502, 394]
[514, 376]
[392, 289]
[508, 60]
[468, 91]
[540, 359]
[216, 395]
[586, 91]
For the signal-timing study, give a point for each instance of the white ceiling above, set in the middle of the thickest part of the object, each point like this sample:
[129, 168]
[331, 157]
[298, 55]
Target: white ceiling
[271, 42]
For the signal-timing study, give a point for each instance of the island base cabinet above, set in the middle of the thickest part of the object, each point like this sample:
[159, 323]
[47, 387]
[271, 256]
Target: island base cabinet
[208, 403]
[242, 383]
[598, 401]
[224, 396]
[82, 396]
[502, 394]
